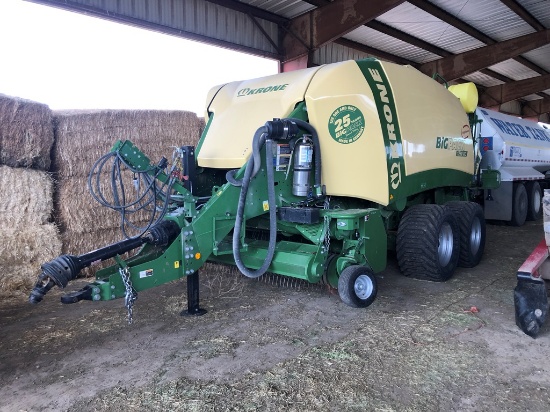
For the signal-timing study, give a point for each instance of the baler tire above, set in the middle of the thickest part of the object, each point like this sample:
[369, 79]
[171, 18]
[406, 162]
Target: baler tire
[471, 222]
[519, 205]
[534, 200]
[428, 243]
[357, 286]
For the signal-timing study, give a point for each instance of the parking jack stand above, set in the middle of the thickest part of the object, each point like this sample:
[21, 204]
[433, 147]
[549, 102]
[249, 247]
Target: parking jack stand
[193, 308]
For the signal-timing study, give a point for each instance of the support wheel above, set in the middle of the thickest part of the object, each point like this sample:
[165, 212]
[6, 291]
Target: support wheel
[357, 286]
[428, 243]
[519, 205]
[471, 222]
[534, 200]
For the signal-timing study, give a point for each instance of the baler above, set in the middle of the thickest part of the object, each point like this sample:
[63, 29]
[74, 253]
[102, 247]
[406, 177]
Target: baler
[313, 174]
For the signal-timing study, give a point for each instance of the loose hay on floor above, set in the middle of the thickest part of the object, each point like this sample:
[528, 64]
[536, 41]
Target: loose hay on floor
[26, 133]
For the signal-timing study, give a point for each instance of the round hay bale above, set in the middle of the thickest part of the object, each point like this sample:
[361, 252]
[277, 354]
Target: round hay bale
[28, 197]
[26, 133]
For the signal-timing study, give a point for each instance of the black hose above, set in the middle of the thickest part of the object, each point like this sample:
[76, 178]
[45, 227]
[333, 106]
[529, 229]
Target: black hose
[257, 143]
[144, 200]
[249, 171]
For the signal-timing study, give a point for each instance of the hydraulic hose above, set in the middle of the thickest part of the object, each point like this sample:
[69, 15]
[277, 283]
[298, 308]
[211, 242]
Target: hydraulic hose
[145, 198]
[264, 136]
[257, 143]
[252, 166]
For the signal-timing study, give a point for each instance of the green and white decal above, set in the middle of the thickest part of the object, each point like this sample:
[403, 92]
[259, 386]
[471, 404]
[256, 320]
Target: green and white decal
[346, 124]
[387, 113]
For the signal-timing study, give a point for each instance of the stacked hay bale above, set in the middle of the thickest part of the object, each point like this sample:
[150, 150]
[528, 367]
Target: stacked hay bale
[29, 238]
[82, 137]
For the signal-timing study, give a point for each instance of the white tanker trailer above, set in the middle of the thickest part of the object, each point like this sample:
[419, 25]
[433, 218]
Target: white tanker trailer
[520, 150]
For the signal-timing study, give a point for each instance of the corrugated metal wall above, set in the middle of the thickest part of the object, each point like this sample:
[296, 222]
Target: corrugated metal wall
[332, 53]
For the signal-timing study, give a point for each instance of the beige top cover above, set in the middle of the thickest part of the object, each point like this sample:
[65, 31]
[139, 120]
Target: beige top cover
[385, 130]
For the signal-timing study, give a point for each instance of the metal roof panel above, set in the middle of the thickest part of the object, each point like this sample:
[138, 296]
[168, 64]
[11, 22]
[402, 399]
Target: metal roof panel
[374, 38]
[482, 79]
[539, 9]
[491, 17]
[416, 22]
[285, 8]
[513, 69]
[540, 56]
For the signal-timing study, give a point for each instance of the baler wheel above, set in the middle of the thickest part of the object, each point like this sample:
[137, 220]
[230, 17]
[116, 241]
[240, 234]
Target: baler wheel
[471, 221]
[428, 243]
[534, 200]
[357, 286]
[519, 205]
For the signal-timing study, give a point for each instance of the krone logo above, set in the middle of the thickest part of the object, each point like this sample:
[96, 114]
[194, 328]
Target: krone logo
[243, 92]
[395, 175]
[247, 91]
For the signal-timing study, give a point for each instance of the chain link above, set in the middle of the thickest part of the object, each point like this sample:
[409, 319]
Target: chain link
[131, 294]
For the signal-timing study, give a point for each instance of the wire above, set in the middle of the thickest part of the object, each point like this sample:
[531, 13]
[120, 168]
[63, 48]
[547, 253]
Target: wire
[114, 195]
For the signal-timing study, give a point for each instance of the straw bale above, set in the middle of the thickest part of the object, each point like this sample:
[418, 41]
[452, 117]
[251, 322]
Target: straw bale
[27, 198]
[79, 212]
[82, 137]
[26, 133]
[23, 251]
[77, 243]
[29, 245]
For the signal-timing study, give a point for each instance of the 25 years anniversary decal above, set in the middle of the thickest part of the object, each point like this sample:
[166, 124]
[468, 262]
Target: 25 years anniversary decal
[346, 124]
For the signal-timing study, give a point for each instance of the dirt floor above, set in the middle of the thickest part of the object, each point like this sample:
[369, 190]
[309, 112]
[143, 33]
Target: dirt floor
[267, 347]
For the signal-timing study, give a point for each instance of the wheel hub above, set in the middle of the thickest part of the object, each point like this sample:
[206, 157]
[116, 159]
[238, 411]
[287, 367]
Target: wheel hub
[475, 236]
[363, 287]
[445, 249]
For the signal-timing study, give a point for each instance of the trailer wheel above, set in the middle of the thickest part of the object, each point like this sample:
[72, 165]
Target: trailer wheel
[471, 222]
[428, 243]
[519, 205]
[534, 200]
[357, 286]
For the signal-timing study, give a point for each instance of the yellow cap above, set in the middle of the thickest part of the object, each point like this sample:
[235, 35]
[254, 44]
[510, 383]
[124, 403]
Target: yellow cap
[467, 94]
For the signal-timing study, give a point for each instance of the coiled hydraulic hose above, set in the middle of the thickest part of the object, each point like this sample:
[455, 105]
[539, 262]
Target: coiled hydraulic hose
[145, 199]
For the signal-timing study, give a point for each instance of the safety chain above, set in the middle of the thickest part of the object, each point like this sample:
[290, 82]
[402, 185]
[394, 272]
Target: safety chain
[130, 295]
[326, 206]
